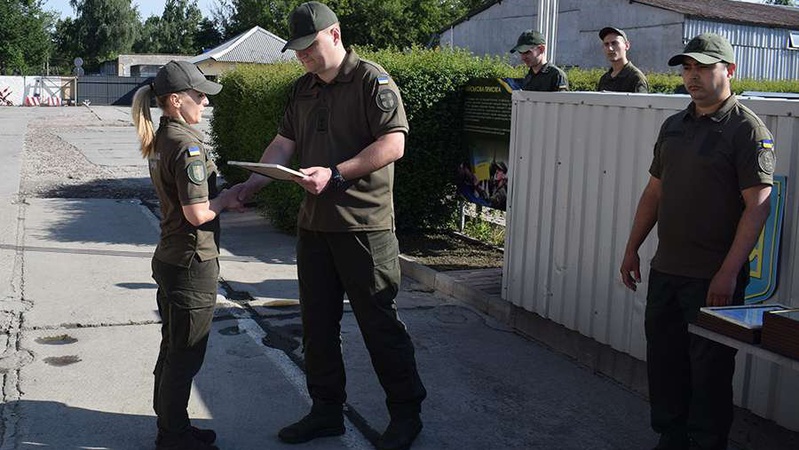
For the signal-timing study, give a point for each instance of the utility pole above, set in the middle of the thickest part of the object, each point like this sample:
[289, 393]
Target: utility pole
[547, 24]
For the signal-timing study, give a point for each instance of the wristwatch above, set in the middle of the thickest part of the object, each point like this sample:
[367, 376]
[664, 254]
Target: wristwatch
[337, 182]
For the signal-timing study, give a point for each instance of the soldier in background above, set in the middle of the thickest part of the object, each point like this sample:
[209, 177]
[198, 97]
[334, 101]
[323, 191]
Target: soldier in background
[542, 76]
[622, 76]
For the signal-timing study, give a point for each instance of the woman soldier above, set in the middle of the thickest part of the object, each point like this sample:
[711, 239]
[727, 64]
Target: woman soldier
[185, 264]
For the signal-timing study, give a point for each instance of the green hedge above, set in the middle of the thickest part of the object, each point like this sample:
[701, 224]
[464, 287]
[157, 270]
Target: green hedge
[667, 83]
[250, 107]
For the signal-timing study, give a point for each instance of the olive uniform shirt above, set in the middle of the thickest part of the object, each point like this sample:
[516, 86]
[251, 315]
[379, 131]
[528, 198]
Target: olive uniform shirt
[704, 163]
[331, 123]
[183, 174]
[549, 78]
[629, 79]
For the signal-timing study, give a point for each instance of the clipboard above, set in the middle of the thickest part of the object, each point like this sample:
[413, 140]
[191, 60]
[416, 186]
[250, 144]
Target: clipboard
[275, 171]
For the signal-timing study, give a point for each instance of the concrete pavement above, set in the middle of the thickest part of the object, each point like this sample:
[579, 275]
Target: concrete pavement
[81, 337]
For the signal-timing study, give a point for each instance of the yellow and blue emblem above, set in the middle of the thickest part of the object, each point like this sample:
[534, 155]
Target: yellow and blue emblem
[382, 79]
[194, 151]
[765, 257]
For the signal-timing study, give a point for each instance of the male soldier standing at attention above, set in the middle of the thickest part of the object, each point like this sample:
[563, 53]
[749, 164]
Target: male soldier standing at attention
[542, 76]
[346, 121]
[622, 76]
[708, 192]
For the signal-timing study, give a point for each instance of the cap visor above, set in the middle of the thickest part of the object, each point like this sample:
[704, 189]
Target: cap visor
[301, 43]
[701, 58]
[521, 48]
[208, 87]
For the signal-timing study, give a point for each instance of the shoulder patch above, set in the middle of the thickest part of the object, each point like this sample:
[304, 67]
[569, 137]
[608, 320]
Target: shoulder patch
[766, 160]
[382, 79]
[196, 172]
[387, 100]
[194, 150]
[766, 143]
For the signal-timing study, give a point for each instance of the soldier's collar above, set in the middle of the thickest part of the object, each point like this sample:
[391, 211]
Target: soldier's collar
[167, 120]
[725, 108]
[347, 71]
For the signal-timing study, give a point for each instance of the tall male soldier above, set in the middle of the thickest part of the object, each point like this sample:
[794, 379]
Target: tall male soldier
[622, 76]
[708, 192]
[346, 120]
[542, 76]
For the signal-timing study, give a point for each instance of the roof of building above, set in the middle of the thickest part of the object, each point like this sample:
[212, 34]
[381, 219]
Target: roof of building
[731, 11]
[720, 10]
[255, 45]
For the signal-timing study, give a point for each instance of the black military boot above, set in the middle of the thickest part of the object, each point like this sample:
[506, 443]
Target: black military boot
[186, 441]
[206, 436]
[320, 422]
[400, 433]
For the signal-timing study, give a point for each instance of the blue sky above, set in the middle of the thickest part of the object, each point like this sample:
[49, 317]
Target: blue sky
[147, 8]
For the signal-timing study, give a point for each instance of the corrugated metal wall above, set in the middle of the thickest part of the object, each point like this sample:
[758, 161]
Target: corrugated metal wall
[762, 52]
[578, 165]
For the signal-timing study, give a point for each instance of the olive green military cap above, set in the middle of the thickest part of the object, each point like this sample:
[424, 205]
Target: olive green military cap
[607, 30]
[305, 21]
[527, 40]
[178, 76]
[707, 48]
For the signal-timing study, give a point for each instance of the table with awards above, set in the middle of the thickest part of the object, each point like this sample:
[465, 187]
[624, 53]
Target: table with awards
[767, 331]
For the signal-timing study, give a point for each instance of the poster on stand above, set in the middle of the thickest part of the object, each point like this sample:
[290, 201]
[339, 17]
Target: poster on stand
[483, 177]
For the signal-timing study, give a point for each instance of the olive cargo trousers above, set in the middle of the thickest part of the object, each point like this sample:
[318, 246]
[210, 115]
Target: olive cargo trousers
[365, 266]
[186, 299]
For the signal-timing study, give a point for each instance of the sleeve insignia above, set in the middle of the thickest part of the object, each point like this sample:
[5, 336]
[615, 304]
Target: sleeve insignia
[766, 160]
[766, 143]
[382, 79]
[387, 100]
[196, 172]
[194, 150]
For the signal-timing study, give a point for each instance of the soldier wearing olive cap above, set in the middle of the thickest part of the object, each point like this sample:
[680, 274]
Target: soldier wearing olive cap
[185, 264]
[622, 76]
[542, 76]
[708, 193]
[346, 122]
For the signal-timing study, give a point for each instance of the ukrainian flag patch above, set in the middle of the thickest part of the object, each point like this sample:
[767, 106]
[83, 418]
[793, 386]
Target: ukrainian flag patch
[766, 143]
[382, 79]
[194, 151]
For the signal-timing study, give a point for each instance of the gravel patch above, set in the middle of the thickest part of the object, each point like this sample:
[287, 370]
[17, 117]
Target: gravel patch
[54, 168]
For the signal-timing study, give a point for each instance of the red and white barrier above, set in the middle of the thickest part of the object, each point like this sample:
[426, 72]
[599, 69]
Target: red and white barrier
[53, 101]
[31, 100]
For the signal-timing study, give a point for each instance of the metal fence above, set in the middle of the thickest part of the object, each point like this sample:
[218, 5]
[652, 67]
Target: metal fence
[578, 164]
[109, 90]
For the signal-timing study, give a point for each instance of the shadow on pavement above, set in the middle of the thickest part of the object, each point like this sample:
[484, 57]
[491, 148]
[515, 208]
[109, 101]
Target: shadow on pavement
[60, 426]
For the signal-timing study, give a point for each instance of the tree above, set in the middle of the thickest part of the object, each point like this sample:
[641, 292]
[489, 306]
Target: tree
[104, 29]
[374, 23]
[25, 45]
[780, 2]
[207, 36]
[178, 28]
[176, 31]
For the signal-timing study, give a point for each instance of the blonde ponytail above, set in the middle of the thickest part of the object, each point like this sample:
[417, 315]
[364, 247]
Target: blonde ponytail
[142, 119]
